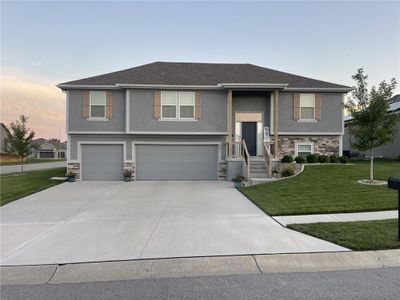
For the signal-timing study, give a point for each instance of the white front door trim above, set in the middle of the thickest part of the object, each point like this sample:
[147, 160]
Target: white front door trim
[250, 116]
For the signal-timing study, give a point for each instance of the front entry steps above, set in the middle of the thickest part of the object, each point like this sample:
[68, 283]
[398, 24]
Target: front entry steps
[258, 168]
[258, 171]
[254, 181]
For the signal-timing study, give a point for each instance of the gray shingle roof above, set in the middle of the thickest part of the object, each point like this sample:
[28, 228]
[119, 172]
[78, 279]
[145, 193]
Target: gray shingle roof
[206, 74]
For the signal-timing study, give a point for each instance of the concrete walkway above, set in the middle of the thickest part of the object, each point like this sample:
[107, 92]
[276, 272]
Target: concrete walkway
[200, 266]
[346, 217]
[32, 167]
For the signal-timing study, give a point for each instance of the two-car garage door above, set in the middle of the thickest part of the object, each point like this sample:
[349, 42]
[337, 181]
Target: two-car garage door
[153, 162]
[176, 162]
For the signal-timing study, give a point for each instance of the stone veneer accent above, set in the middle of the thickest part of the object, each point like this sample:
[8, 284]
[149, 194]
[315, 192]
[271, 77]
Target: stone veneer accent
[327, 145]
[130, 166]
[76, 168]
[222, 170]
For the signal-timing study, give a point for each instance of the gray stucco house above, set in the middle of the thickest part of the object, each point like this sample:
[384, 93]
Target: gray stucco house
[390, 150]
[198, 121]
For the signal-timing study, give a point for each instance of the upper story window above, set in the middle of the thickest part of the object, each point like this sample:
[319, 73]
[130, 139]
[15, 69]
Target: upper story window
[177, 105]
[307, 106]
[98, 101]
[186, 105]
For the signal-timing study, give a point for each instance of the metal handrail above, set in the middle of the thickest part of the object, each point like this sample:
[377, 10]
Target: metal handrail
[246, 156]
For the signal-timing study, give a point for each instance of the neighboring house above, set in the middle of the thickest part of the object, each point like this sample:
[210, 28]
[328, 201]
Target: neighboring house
[391, 150]
[187, 121]
[3, 137]
[48, 150]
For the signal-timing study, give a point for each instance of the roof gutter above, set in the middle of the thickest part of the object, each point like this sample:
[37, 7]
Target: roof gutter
[83, 87]
[168, 87]
[253, 85]
[327, 90]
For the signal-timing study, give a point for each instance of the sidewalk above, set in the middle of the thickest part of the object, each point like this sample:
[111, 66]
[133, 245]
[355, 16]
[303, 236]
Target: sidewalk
[199, 266]
[345, 217]
[32, 167]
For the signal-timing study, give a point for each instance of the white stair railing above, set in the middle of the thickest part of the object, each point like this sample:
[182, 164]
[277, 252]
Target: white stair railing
[268, 157]
[246, 157]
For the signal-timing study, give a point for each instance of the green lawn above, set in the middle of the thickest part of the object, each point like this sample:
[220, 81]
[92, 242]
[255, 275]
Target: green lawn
[15, 186]
[362, 235]
[33, 161]
[327, 189]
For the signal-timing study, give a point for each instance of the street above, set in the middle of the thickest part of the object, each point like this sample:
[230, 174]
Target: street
[362, 284]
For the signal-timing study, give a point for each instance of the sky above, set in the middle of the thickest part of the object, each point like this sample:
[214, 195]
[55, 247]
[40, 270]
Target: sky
[45, 43]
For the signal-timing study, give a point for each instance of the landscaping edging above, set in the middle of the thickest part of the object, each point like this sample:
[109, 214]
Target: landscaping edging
[273, 179]
[373, 183]
[200, 266]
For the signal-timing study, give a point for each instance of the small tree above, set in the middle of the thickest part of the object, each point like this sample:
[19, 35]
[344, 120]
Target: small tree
[371, 126]
[19, 140]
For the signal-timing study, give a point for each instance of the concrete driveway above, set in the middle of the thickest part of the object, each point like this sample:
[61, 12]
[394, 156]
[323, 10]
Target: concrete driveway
[105, 221]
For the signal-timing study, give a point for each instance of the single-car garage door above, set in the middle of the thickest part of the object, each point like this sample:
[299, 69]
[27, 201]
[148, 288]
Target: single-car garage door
[176, 162]
[102, 162]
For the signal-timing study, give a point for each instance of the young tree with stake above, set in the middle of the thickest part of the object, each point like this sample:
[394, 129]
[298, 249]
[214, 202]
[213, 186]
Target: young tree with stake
[371, 126]
[19, 140]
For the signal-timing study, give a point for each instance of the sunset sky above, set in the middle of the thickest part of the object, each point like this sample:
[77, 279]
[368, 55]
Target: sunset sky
[45, 43]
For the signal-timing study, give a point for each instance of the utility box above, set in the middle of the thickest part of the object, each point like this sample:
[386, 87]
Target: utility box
[394, 183]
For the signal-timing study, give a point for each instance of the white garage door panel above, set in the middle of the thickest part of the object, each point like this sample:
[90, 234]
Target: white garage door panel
[102, 162]
[176, 162]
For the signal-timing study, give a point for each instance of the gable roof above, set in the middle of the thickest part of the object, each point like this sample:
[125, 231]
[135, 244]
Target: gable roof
[4, 127]
[201, 74]
[47, 146]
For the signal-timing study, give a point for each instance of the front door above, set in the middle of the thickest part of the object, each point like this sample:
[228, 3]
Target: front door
[249, 134]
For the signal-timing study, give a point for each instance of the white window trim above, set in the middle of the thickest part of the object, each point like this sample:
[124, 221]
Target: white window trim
[90, 108]
[312, 120]
[177, 107]
[297, 144]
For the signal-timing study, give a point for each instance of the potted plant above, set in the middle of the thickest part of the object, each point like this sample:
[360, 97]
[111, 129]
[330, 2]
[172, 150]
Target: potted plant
[128, 175]
[238, 180]
[71, 176]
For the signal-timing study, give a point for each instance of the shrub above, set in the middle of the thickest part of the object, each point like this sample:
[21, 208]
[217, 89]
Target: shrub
[343, 159]
[323, 159]
[238, 178]
[333, 159]
[128, 173]
[287, 159]
[398, 157]
[288, 171]
[311, 158]
[71, 173]
[300, 159]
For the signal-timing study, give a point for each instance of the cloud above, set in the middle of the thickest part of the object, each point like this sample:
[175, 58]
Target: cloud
[36, 97]
[37, 63]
